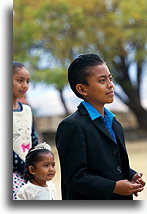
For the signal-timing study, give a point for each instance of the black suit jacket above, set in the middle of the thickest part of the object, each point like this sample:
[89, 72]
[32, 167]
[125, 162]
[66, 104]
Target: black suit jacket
[91, 162]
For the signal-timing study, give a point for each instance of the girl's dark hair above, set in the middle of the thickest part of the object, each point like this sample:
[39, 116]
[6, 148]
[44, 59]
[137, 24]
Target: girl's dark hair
[17, 65]
[78, 70]
[32, 157]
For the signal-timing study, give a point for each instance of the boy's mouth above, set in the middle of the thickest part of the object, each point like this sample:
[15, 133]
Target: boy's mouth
[110, 93]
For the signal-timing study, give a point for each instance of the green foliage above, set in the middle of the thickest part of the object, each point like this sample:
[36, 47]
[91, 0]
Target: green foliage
[115, 29]
[57, 77]
[66, 28]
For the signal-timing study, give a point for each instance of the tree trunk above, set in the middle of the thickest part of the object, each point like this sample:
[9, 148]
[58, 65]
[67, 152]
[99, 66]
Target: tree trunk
[133, 100]
[141, 115]
[138, 110]
[63, 102]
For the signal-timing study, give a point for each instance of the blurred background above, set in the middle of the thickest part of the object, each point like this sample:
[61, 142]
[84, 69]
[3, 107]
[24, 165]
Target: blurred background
[48, 35]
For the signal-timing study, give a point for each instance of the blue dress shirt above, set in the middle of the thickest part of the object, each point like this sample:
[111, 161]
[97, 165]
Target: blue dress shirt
[107, 119]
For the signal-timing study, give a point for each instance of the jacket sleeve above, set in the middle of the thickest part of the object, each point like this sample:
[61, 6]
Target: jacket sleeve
[71, 146]
[131, 173]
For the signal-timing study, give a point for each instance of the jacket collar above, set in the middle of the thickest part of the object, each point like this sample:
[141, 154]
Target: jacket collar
[98, 123]
[82, 109]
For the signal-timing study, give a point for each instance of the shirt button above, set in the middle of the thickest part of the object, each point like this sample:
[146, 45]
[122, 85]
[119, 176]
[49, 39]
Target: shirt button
[118, 169]
[115, 152]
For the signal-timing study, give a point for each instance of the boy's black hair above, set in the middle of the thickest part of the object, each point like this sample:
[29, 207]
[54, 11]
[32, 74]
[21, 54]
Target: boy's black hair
[17, 65]
[78, 70]
[32, 157]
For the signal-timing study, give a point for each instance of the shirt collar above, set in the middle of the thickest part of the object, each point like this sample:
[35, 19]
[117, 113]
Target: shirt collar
[95, 114]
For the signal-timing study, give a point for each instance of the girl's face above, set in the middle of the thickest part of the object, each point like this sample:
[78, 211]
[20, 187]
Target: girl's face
[44, 170]
[21, 80]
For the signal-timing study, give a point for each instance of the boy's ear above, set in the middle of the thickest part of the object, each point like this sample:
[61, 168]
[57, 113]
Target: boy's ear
[31, 170]
[81, 89]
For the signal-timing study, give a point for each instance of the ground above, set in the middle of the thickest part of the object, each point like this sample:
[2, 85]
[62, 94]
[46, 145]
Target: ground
[138, 160]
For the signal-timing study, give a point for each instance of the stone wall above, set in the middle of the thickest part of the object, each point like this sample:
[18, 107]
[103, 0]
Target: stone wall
[47, 126]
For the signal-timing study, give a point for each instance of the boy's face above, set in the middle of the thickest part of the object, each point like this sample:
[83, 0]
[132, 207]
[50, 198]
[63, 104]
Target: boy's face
[100, 89]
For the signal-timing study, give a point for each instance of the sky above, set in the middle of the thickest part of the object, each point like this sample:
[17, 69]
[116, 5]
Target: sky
[45, 100]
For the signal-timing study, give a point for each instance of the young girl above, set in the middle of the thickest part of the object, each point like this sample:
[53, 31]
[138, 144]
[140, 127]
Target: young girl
[40, 168]
[24, 136]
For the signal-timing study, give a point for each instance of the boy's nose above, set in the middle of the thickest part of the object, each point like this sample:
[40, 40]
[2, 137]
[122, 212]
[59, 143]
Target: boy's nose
[110, 84]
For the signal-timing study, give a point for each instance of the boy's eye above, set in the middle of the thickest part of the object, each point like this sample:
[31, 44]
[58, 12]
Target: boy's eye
[102, 80]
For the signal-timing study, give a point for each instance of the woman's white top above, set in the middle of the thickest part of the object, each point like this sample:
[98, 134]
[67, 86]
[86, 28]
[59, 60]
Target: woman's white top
[22, 129]
[30, 191]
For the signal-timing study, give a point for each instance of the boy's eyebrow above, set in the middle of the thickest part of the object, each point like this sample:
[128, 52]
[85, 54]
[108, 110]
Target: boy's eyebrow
[110, 75]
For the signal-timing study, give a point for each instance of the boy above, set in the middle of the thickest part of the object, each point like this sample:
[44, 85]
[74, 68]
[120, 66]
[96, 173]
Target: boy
[90, 142]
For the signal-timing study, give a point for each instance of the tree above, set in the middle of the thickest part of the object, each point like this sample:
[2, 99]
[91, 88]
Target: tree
[62, 28]
[125, 25]
[56, 77]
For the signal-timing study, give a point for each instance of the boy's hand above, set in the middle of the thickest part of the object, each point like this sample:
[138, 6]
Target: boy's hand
[137, 179]
[125, 187]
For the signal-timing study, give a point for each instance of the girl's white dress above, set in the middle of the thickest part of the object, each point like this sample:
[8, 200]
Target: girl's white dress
[30, 191]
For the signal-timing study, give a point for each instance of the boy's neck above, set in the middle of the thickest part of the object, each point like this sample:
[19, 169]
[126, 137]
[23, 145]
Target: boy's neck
[98, 107]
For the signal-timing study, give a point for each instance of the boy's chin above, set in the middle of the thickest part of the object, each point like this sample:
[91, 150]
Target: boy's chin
[110, 101]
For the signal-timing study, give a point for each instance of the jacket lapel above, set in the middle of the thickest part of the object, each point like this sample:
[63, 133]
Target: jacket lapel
[100, 125]
[118, 131]
[97, 122]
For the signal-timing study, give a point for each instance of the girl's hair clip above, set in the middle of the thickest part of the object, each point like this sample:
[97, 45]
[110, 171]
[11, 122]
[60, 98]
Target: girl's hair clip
[41, 146]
